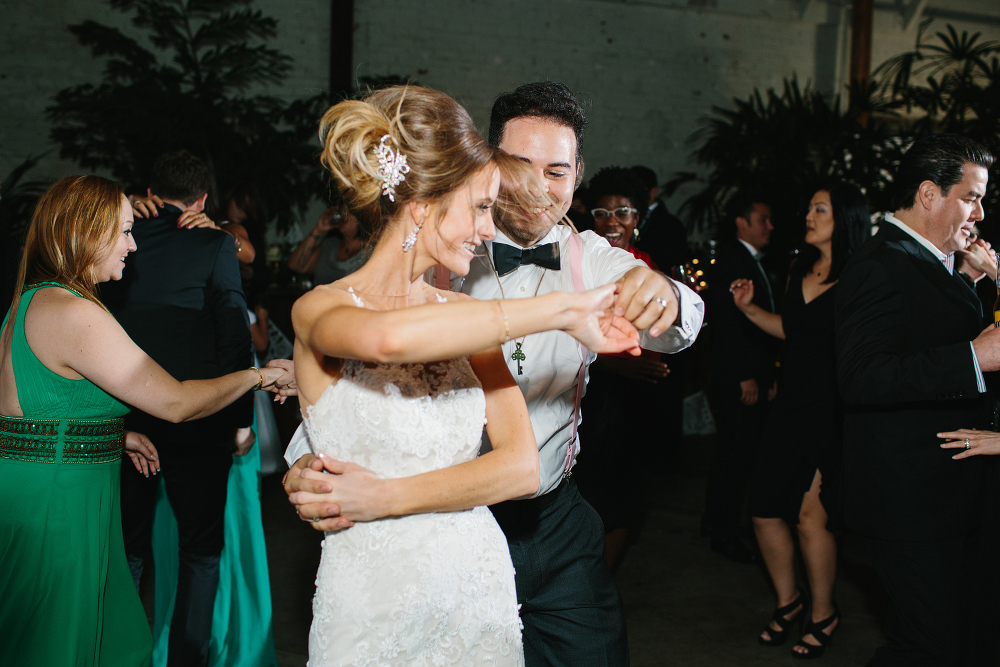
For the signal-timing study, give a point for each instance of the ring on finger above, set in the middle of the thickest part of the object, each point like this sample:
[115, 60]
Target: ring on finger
[661, 301]
[968, 445]
[315, 519]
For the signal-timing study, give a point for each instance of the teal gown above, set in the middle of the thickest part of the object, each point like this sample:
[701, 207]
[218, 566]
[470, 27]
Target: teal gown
[66, 594]
[241, 620]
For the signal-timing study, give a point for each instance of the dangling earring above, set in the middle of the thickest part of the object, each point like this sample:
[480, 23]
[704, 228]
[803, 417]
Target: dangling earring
[411, 238]
[635, 233]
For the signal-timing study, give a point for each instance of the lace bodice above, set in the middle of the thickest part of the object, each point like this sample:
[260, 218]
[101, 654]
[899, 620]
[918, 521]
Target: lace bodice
[426, 589]
[400, 419]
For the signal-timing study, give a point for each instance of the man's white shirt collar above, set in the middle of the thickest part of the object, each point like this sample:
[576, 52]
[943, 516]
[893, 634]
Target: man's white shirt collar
[756, 254]
[947, 260]
[551, 237]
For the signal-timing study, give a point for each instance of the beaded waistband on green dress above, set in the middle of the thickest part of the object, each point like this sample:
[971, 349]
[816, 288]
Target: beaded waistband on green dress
[62, 440]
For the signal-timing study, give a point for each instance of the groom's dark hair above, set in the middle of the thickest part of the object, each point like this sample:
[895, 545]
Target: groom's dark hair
[542, 99]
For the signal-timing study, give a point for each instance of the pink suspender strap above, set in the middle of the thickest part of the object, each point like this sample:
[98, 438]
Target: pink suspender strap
[442, 278]
[576, 269]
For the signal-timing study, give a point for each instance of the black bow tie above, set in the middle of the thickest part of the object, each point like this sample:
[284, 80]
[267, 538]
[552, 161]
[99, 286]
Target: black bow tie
[506, 258]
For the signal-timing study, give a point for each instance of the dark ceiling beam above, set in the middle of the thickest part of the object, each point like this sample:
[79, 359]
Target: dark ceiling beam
[341, 46]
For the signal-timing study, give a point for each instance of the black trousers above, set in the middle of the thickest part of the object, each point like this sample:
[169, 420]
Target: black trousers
[195, 476]
[927, 583]
[739, 428]
[571, 609]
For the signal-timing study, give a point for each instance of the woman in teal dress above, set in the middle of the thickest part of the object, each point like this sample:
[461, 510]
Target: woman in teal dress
[67, 375]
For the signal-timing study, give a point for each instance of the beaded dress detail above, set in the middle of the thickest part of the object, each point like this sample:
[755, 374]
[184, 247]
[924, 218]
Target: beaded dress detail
[427, 589]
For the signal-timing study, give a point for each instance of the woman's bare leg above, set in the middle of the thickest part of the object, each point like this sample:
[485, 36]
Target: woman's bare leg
[819, 551]
[776, 546]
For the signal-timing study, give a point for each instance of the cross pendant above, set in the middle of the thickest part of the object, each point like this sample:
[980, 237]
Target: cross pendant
[518, 356]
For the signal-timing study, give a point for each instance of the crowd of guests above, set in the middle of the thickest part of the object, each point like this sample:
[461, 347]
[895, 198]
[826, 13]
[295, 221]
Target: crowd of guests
[440, 365]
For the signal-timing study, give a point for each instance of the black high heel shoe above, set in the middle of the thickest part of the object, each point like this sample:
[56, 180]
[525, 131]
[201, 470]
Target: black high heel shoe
[778, 637]
[816, 630]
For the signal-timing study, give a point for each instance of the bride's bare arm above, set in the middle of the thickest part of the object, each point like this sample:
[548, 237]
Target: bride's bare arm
[510, 470]
[330, 325]
[72, 335]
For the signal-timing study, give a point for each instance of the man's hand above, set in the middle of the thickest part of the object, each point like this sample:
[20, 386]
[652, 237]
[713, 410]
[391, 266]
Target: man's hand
[244, 440]
[143, 454]
[987, 346]
[307, 476]
[977, 260]
[648, 300]
[749, 391]
[286, 387]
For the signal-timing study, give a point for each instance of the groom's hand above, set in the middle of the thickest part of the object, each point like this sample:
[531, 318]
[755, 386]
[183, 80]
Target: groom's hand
[308, 482]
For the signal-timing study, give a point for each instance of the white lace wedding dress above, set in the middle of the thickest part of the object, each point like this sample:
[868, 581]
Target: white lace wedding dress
[428, 589]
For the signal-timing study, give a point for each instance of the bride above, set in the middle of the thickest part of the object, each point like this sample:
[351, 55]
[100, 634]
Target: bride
[401, 378]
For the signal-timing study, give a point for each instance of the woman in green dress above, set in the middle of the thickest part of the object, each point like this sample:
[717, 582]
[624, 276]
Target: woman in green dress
[68, 373]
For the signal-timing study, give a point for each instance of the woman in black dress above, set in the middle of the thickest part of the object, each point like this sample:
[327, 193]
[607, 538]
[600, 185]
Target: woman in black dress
[796, 478]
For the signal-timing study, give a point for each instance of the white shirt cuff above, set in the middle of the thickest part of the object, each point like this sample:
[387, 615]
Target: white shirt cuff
[980, 382]
[684, 333]
[298, 446]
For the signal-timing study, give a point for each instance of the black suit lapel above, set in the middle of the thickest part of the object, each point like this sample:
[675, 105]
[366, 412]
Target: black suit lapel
[954, 287]
[763, 295]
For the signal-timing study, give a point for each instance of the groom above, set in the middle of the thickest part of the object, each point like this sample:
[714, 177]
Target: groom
[570, 607]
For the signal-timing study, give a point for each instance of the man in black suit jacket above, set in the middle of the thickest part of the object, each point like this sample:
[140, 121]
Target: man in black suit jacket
[743, 359]
[660, 232]
[181, 301]
[910, 358]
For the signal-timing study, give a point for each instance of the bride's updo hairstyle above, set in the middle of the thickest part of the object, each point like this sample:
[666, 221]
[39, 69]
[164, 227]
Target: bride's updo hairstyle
[442, 146]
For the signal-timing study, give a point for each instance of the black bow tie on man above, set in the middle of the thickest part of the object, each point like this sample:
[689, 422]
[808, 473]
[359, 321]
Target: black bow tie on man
[506, 258]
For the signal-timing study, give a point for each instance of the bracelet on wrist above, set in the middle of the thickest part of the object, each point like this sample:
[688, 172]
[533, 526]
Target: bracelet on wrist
[260, 385]
[506, 324]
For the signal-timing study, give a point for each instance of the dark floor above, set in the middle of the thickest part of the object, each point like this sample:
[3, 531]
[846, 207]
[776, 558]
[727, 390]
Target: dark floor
[685, 604]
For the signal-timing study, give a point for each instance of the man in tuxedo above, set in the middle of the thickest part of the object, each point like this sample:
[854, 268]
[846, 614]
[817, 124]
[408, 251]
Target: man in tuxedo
[181, 301]
[911, 353]
[743, 359]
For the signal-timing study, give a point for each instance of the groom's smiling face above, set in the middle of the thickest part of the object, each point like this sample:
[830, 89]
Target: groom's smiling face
[550, 148]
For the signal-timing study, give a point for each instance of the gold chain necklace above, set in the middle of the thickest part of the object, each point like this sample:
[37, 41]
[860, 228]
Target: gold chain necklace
[518, 354]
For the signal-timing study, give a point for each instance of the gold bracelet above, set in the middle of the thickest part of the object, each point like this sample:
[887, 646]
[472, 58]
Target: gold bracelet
[260, 385]
[506, 324]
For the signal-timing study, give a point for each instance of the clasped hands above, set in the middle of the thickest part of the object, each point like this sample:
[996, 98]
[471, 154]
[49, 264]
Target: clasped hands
[612, 315]
[977, 260]
[331, 495]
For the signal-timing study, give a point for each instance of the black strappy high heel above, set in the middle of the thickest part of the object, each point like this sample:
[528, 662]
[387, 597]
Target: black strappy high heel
[778, 637]
[816, 630]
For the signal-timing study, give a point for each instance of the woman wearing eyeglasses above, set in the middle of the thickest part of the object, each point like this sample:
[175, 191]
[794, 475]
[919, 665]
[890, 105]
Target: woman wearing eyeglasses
[621, 391]
[617, 207]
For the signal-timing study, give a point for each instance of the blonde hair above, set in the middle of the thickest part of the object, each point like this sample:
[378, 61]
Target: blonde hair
[74, 225]
[442, 146]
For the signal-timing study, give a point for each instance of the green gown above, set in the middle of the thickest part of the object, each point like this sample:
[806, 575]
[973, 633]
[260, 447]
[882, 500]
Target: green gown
[66, 594]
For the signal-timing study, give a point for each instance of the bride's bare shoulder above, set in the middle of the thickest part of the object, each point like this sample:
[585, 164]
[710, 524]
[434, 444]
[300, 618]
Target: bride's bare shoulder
[318, 300]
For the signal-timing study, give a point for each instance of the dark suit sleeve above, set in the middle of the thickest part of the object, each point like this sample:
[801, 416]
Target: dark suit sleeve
[735, 339]
[876, 362]
[233, 345]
